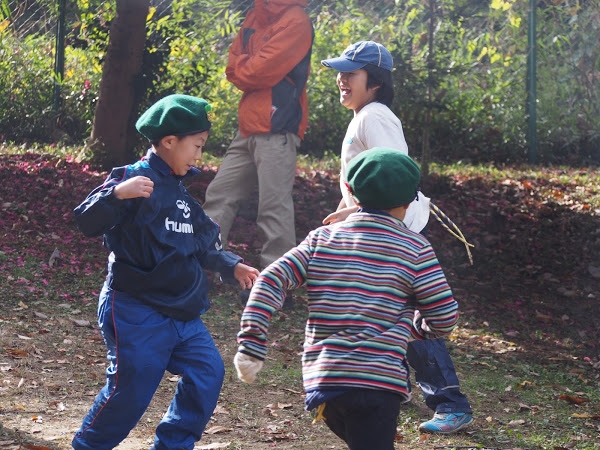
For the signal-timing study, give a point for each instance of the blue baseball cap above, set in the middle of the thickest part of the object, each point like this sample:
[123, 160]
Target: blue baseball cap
[358, 55]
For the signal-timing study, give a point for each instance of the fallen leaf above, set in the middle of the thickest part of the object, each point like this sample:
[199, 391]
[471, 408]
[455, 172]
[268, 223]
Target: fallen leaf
[294, 392]
[516, 422]
[586, 416]
[269, 412]
[524, 384]
[543, 317]
[594, 271]
[58, 405]
[399, 437]
[218, 429]
[573, 400]
[35, 447]
[54, 257]
[213, 446]
[220, 410]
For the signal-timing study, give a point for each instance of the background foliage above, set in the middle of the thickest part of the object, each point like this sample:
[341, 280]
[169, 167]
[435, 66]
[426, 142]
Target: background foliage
[471, 82]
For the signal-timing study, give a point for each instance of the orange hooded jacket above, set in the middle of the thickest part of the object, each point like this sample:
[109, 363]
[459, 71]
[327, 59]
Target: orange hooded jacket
[269, 61]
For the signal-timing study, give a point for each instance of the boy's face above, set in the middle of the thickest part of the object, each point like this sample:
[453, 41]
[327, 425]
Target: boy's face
[353, 89]
[182, 153]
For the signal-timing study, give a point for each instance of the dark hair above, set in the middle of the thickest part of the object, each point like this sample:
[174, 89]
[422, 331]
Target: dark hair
[156, 142]
[376, 76]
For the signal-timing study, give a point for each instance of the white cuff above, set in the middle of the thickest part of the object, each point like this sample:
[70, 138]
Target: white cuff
[247, 367]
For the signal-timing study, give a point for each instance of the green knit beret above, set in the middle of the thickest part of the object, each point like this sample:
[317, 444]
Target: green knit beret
[175, 114]
[383, 178]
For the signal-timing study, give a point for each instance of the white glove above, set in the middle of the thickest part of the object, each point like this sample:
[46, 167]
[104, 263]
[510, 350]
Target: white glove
[247, 367]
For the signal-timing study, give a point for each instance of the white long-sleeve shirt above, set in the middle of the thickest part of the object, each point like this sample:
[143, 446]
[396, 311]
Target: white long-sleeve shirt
[375, 125]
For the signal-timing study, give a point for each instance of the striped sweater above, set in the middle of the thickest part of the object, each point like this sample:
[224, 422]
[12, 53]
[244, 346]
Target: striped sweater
[364, 277]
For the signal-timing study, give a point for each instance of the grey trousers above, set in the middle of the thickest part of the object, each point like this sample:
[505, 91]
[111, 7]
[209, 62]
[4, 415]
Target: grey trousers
[269, 162]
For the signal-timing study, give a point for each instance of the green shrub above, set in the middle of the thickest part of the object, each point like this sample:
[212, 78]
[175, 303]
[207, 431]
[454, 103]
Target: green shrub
[26, 84]
[476, 76]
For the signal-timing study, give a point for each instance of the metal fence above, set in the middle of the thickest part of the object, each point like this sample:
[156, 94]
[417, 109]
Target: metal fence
[58, 20]
[27, 17]
[567, 51]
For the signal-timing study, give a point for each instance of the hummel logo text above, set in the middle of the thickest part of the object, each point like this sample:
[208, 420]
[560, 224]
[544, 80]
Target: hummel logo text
[177, 227]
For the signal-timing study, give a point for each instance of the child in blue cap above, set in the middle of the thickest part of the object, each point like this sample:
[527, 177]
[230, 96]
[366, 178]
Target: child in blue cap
[161, 242]
[365, 83]
[372, 284]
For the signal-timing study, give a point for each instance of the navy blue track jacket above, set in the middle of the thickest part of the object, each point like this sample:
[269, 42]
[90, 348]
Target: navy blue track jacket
[159, 245]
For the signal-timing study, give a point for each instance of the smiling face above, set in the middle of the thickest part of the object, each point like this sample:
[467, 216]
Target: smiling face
[353, 89]
[182, 153]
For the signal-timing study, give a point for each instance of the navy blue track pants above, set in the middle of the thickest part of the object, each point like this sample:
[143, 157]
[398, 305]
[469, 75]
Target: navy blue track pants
[142, 344]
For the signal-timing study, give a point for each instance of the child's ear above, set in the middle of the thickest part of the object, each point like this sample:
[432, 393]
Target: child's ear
[168, 141]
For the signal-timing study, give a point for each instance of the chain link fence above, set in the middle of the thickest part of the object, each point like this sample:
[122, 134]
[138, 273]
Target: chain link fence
[483, 73]
[55, 18]
[30, 17]
[65, 26]
[26, 17]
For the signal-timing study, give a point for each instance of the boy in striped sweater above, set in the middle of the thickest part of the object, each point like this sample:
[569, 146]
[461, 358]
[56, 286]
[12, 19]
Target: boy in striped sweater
[372, 285]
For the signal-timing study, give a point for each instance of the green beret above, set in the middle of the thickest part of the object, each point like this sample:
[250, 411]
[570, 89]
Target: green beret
[383, 178]
[175, 114]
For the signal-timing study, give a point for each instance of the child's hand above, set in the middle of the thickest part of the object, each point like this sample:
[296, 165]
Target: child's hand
[134, 187]
[245, 275]
[246, 367]
[340, 215]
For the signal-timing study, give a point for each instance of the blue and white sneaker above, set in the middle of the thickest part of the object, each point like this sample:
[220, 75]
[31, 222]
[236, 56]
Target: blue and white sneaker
[446, 423]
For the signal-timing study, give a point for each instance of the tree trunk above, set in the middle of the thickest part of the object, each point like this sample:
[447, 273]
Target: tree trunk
[113, 116]
[426, 149]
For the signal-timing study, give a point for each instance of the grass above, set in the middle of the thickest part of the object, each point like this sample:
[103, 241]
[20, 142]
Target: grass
[526, 349]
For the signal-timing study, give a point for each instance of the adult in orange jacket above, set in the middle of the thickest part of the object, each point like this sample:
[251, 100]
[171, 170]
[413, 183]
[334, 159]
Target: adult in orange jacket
[269, 61]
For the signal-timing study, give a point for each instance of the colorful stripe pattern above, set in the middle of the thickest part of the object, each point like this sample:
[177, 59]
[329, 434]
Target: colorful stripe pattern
[364, 277]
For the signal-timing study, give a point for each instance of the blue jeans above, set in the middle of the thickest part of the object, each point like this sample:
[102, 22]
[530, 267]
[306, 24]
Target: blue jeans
[436, 376]
[142, 344]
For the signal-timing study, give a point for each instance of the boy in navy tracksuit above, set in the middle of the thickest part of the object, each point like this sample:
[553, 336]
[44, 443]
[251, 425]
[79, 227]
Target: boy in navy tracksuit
[161, 241]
